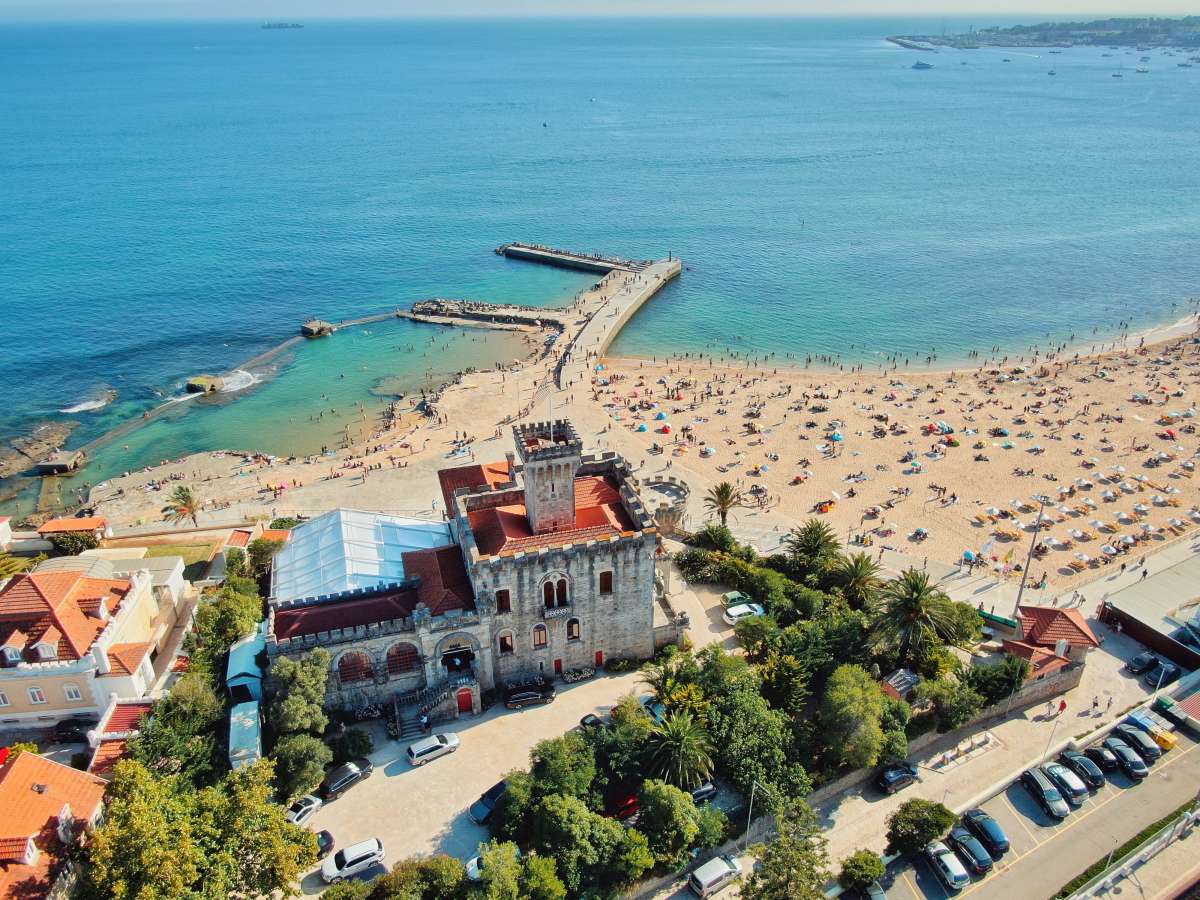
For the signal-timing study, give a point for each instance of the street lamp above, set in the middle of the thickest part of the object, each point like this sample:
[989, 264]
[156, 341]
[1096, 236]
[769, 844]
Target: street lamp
[754, 786]
[1046, 752]
[1037, 529]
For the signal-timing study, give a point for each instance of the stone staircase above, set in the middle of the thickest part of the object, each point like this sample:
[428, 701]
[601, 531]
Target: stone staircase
[431, 701]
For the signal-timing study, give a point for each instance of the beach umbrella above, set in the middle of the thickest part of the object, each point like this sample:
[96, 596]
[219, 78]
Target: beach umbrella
[1064, 489]
[1172, 490]
[1089, 502]
[1066, 511]
[1141, 507]
[1178, 523]
[643, 427]
[1109, 550]
[1146, 526]
[1195, 514]
[1141, 478]
[1189, 465]
[1128, 541]
[1126, 487]
[834, 494]
[1164, 456]
[1077, 534]
[660, 415]
[1119, 468]
[666, 429]
[1109, 495]
[992, 511]
[1158, 499]
[1082, 557]
[837, 436]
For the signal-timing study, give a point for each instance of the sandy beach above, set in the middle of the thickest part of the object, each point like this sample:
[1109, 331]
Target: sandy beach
[936, 464]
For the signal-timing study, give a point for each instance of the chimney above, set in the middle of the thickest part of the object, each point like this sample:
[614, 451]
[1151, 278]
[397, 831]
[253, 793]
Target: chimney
[1062, 647]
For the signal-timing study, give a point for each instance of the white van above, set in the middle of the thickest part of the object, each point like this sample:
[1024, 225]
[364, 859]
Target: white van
[352, 860]
[714, 875]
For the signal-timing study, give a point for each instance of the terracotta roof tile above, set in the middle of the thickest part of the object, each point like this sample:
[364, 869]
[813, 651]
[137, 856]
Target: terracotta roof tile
[1041, 661]
[1191, 706]
[1046, 626]
[238, 538]
[126, 716]
[63, 605]
[108, 754]
[492, 474]
[282, 535]
[444, 582]
[62, 526]
[124, 659]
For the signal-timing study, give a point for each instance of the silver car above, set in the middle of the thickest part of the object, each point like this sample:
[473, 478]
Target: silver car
[303, 809]
[427, 748]
[352, 860]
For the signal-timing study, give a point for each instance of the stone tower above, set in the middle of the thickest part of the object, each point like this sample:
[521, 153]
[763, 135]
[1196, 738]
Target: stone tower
[550, 453]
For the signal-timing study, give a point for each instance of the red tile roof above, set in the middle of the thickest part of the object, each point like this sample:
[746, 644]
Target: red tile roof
[126, 716]
[282, 535]
[238, 538]
[1041, 661]
[33, 792]
[124, 659]
[475, 475]
[108, 754]
[61, 526]
[599, 514]
[1191, 706]
[1046, 625]
[444, 582]
[60, 606]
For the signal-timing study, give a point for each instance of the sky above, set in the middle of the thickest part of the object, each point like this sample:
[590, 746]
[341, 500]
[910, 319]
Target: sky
[1033, 10]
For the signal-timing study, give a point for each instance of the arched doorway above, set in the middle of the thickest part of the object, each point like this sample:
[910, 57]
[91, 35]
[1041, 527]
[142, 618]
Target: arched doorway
[354, 666]
[457, 655]
[465, 703]
[403, 659]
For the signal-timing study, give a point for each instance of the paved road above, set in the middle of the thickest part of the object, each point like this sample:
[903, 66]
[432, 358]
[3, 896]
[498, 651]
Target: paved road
[1045, 855]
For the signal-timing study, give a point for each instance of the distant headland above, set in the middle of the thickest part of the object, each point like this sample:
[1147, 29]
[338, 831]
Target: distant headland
[1124, 32]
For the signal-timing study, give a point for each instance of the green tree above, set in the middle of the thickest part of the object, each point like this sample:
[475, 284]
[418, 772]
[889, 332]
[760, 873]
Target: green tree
[857, 575]
[954, 703]
[72, 543]
[679, 751]
[670, 821]
[168, 749]
[915, 823]
[812, 548]
[284, 523]
[794, 866]
[998, 682]
[563, 765]
[183, 504]
[589, 849]
[298, 704]
[722, 498]
[12, 565]
[785, 683]
[859, 869]
[300, 761]
[235, 562]
[512, 819]
[261, 553]
[850, 715]
[754, 742]
[540, 881]
[916, 617]
[352, 744]
[439, 877]
[758, 635]
[668, 673]
[502, 870]
[712, 536]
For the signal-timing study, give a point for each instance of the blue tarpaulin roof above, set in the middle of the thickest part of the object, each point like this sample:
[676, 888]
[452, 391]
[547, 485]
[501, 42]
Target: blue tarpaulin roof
[245, 735]
[243, 657]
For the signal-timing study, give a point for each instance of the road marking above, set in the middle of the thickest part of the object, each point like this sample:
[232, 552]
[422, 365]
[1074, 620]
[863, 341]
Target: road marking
[1020, 818]
[908, 881]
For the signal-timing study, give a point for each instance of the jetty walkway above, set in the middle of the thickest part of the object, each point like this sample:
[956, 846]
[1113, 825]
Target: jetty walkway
[571, 259]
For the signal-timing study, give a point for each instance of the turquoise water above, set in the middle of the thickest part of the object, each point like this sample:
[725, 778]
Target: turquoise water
[176, 198]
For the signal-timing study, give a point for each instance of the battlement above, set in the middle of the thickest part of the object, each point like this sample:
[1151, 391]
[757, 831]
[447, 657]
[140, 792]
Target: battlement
[538, 441]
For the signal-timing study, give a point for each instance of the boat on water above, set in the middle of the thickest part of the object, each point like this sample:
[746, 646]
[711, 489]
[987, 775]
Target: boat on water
[1142, 70]
[272, 25]
[1006, 59]
[921, 64]
[1118, 75]
[1051, 72]
[1184, 65]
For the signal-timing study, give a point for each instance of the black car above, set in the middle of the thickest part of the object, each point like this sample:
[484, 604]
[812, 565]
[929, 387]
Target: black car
[1042, 789]
[534, 695]
[73, 731]
[971, 851]
[591, 720]
[988, 830]
[703, 793]
[896, 776]
[1088, 771]
[1142, 743]
[324, 843]
[1161, 676]
[341, 778]
[1103, 757]
[1143, 662]
[1131, 764]
[481, 810]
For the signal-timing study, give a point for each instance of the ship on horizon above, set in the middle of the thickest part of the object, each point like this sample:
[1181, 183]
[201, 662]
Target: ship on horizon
[282, 25]
[921, 64]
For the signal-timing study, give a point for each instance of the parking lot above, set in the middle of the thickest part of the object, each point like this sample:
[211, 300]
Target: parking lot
[1046, 853]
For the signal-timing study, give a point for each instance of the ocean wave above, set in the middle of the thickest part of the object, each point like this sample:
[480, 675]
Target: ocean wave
[239, 380]
[90, 405]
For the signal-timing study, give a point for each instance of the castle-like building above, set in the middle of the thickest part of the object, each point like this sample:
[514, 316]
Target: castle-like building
[545, 563]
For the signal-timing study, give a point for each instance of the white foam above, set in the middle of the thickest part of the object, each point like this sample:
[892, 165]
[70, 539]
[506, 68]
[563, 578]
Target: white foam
[239, 380]
[90, 405]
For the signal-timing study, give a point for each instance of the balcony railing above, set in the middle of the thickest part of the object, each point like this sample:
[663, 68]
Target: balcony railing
[557, 612]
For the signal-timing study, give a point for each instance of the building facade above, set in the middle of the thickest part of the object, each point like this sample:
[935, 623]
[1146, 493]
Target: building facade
[546, 563]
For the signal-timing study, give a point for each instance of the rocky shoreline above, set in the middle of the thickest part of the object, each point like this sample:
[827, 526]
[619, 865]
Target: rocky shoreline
[22, 453]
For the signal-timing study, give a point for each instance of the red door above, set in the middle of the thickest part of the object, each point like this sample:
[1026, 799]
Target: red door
[599, 658]
[558, 667]
[464, 701]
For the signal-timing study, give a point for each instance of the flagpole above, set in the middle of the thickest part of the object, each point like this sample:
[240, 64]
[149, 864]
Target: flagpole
[1037, 528]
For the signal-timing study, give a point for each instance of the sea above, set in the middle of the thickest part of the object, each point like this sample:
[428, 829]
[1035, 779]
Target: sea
[175, 198]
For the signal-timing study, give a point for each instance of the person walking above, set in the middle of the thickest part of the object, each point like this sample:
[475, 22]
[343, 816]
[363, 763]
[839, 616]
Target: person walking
[1095, 705]
[1062, 707]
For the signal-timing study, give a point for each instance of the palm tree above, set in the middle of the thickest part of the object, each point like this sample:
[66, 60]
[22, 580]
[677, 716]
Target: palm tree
[915, 618]
[813, 547]
[11, 565]
[663, 678]
[183, 504]
[721, 498]
[679, 751]
[858, 577]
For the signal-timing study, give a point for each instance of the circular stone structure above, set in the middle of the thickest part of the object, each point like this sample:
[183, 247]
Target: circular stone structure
[667, 498]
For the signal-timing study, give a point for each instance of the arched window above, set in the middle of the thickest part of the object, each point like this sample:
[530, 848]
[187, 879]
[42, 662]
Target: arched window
[355, 666]
[562, 592]
[548, 594]
[506, 642]
[572, 629]
[541, 637]
[402, 658]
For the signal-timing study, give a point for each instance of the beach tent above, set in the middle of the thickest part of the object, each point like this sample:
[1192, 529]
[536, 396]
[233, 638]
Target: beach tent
[660, 415]
[643, 427]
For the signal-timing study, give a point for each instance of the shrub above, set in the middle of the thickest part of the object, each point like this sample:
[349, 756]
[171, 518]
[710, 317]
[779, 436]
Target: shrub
[235, 563]
[859, 869]
[284, 523]
[915, 823]
[72, 543]
[300, 761]
[617, 664]
[351, 744]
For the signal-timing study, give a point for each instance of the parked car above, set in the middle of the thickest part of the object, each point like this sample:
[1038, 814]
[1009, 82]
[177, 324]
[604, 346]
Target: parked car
[324, 843]
[352, 860]
[714, 875]
[655, 709]
[1161, 676]
[1103, 757]
[74, 730]
[1143, 662]
[530, 697]
[970, 850]
[988, 830]
[704, 793]
[303, 809]
[341, 778]
[626, 809]
[873, 891]
[430, 748]
[735, 614]
[1042, 789]
[481, 810]
[474, 867]
[1127, 759]
[948, 867]
[896, 776]
[1142, 743]
[1068, 783]
[591, 720]
[1088, 771]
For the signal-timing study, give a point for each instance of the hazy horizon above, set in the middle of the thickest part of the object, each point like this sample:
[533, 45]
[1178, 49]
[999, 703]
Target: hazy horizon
[963, 10]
